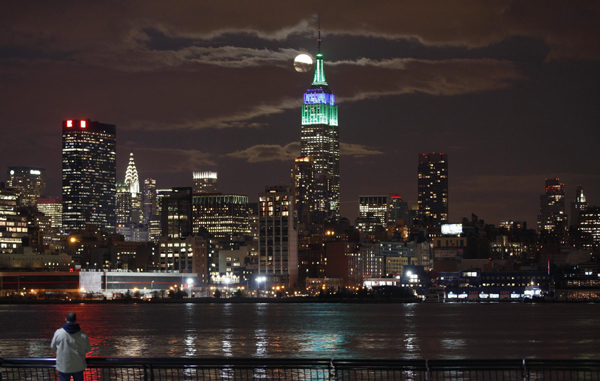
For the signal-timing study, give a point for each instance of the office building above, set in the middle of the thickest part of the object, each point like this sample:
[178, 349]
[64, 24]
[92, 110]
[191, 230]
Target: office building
[184, 255]
[372, 212]
[52, 207]
[28, 182]
[589, 223]
[432, 185]
[122, 204]
[13, 225]
[89, 175]
[222, 215]
[398, 211]
[578, 205]
[303, 186]
[176, 212]
[278, 237]
[552, 217]
[320, 140]
[149, 201]
[205, 182]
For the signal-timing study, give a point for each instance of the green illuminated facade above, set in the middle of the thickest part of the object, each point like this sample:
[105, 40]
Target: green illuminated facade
[320, 140]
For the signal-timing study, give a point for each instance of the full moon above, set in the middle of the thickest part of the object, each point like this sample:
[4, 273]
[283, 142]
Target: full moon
[303, 63]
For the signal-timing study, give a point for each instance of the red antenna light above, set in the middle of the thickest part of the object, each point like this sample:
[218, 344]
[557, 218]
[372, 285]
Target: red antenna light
[69, 123]
[83, 124]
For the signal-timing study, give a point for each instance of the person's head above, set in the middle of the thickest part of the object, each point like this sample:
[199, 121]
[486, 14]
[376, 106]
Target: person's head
[71, 317]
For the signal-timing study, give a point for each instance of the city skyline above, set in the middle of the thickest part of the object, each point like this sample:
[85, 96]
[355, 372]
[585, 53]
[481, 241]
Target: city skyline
[507, 90]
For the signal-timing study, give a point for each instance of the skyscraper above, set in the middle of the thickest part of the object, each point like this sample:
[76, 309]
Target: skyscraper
[578, 205]
[133, 182]
[320, 140]
[89, 174]
[13, 225]
[433, 188]
[149, 200]
[552, 217]
[205, 182]
[28, 182]
[278, 237]
[303, 186]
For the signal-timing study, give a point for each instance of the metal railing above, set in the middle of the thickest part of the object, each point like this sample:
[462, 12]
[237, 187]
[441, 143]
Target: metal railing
[155, 369]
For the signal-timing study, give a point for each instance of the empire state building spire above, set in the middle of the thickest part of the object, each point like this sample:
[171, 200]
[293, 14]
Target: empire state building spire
[319, 78]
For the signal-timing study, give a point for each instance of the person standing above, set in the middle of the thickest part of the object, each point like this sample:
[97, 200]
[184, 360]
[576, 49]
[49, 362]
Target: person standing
[71, 345]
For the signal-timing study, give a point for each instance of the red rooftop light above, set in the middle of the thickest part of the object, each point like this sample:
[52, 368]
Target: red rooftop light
[69, 123]
[83, 124]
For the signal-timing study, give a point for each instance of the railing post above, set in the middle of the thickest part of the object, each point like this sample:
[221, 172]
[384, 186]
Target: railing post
[427, 375]
[525, 371]
[148, 373]
[332, 371]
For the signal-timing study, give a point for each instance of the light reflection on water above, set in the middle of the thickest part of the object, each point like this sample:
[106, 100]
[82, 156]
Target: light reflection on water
[384, 331]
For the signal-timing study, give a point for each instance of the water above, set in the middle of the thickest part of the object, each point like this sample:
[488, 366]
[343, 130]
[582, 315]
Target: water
[341, 331]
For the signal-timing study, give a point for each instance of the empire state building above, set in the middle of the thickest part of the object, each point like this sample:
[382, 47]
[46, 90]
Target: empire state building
[320, 141]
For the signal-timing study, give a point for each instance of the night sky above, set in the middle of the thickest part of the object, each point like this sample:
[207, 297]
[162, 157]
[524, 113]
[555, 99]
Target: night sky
[508, 89]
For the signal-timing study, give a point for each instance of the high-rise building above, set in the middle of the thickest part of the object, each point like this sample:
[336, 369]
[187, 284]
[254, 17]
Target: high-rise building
[205, 182]
[398, 211]
[320, 140]
[176, 213]
[13, 225]
[89, 174]
[278, 237]
[552, 217]
[149, 200]
[578, 205]
[28, 182]
[133, 183]
[222, 215]
[303, 186]
[122, 204]
[51, 207]
[589, 223]
[372, 212]
[151, 209]
[433, 188]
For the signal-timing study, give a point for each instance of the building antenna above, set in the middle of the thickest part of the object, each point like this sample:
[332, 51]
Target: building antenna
[319, 40]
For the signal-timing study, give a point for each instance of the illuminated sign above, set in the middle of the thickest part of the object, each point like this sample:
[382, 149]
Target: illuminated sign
[452, 229]
[69, 123]
[83, 124]
[35, 172]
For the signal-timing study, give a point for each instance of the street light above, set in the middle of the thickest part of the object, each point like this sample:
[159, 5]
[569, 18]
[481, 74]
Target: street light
[227, 280]
[259, 280]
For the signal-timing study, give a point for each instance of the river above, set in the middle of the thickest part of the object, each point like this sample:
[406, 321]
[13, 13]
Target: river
[313, 330]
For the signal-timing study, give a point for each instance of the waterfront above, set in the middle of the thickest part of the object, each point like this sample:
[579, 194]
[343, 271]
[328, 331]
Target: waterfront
[373, 331]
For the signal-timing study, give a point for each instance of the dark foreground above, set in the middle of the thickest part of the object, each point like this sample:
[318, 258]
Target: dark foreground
[290, 369]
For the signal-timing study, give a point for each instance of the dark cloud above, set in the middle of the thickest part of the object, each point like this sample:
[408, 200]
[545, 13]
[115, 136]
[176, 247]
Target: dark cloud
[271, 152]
[268, 152]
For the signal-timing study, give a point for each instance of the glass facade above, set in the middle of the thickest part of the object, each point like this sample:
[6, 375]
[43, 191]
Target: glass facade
[89, 175]
[433, 188]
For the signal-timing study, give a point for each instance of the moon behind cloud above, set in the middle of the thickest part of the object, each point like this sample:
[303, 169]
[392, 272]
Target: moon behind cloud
[303, 63]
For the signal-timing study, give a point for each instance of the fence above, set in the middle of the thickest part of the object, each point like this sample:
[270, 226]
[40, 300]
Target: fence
[167, 369]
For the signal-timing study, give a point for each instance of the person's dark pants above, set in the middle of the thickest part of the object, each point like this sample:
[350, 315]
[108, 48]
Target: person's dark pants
[77, 376]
